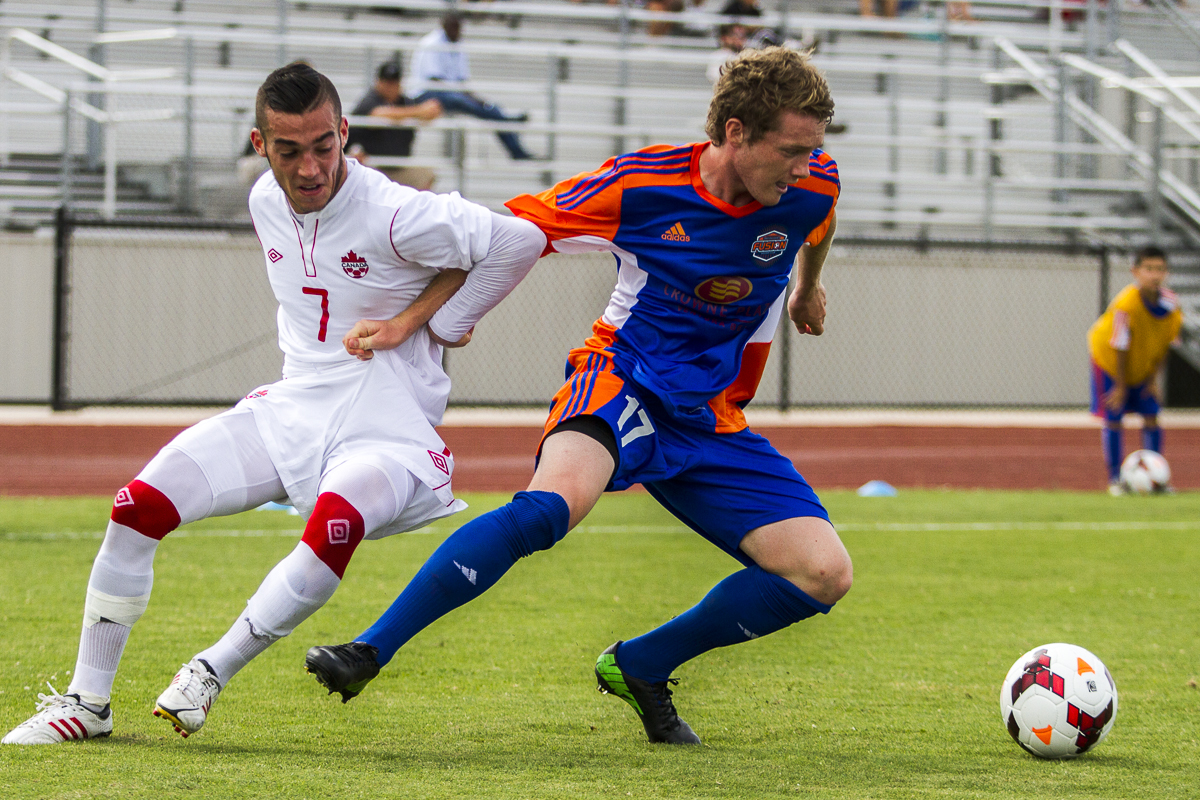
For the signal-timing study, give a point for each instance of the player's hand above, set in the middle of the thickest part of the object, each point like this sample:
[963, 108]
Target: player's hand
[806, 308]
[1115, 399]
[375, 334]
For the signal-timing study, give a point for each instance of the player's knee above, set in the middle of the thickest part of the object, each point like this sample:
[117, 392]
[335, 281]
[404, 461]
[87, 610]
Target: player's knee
[141, 507]
[334, 531]
[827, 575]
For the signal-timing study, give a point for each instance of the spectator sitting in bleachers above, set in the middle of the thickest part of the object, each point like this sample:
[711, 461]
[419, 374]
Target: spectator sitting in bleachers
[440, 70]
[385, 100]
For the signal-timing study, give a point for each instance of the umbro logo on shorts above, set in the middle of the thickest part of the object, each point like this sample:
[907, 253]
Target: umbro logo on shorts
[274, 255]
[339, 531]
[439, 460]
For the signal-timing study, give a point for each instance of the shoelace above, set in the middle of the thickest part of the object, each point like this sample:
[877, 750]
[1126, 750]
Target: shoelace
[662, 693]
[51, 700]
[197, 676]
[358, 656]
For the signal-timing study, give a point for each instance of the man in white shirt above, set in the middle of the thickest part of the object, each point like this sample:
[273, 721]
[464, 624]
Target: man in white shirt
[440, 70]
[356, 262]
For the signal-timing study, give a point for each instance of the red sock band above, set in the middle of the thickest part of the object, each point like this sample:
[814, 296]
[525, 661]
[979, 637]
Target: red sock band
[334, 531]
[145, 509]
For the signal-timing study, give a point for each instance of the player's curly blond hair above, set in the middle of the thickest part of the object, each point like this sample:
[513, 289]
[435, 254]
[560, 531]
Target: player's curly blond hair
[760, 84]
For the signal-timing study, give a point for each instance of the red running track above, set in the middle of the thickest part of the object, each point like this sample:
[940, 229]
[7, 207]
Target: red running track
[100, 459]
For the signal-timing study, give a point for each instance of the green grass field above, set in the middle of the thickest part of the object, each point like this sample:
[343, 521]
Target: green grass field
[893, 695]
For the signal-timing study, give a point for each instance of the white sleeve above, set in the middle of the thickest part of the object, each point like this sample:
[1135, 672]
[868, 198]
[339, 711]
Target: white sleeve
[442, 231]
[515, 246]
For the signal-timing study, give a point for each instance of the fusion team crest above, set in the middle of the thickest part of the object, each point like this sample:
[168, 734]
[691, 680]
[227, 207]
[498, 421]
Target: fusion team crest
[769, 246]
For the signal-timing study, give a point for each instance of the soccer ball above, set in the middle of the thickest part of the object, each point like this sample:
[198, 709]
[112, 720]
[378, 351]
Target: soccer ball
[1145, 471]
[1058, 701]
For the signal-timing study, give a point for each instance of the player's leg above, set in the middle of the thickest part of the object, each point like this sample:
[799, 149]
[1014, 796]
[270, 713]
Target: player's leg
[577, 460]
[353, 500]
[173, 489]
[796, 567]
[571, 475]
[1110, 434]
[1151, 433]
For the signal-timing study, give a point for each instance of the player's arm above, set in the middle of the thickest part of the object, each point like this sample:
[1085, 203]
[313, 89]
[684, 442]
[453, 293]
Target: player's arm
[384, 334]
[1120, 342]
[806, 306]
[514, 247]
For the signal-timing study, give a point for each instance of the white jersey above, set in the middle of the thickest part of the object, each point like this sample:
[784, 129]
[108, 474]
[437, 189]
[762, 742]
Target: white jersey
[367, 255]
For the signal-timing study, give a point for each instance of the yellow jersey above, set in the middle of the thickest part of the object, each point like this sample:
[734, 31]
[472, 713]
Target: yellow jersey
[1143, 331]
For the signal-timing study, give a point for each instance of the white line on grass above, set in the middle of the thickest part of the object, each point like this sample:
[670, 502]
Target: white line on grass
[870, 527]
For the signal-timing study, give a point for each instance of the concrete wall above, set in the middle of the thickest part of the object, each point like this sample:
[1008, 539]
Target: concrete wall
[177, 317]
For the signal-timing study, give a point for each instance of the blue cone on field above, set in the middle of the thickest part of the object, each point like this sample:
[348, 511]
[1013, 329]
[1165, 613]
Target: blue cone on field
[877, 489]
[273, 506]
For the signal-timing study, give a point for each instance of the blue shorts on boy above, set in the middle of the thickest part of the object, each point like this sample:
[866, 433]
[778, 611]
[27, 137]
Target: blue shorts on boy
[1138, 399]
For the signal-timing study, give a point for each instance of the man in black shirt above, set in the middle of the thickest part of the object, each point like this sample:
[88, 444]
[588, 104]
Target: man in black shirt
[385, 100]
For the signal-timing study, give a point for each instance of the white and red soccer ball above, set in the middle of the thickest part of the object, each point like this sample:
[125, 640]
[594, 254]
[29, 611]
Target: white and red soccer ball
[1058, 701]
[1145, 472]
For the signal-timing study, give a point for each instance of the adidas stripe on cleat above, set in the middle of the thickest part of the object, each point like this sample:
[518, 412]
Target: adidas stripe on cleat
[651, 701]
[189, 698]
[343, 668]
[61, 718]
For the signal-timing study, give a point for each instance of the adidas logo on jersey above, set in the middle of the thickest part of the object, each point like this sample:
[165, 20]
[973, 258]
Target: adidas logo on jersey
[675, 234]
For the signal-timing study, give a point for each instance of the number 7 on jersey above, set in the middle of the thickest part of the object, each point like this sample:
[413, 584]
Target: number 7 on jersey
[324, 295]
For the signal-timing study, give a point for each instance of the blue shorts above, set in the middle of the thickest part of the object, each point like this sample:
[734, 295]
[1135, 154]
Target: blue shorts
[721, 485]
[1138, 399]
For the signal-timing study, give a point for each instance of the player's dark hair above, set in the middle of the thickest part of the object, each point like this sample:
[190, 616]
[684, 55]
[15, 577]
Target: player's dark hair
[295, 89]
[757, 86]
[1149, 251]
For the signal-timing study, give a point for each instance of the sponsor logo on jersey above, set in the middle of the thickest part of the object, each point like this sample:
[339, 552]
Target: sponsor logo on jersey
[354, 265]
[440, 461]
[274, 255]
[339, 531]
[769, 246]
[257, 393]
[724, 290]
[675, 234]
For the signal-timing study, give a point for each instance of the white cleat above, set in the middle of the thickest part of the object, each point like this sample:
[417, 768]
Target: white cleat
[61, 718]
[186, 702]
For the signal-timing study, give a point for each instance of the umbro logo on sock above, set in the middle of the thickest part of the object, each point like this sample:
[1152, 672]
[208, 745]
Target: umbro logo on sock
[470, 573]
[749, 634]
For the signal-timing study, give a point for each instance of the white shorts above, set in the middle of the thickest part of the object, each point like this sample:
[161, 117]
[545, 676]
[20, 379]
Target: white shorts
[322, 416]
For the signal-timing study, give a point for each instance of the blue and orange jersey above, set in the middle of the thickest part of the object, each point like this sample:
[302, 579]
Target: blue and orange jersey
[1142, 330]
[700, 283]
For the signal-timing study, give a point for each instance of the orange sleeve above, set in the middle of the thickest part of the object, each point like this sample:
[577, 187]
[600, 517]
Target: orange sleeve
[823, 179]
[588, 204]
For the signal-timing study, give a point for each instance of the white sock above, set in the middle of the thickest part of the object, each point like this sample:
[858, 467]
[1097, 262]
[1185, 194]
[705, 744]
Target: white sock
[100, 648]
[292, 591]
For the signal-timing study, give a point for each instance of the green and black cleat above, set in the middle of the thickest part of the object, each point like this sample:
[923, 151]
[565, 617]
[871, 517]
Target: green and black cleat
[651, 701]
[343, 668]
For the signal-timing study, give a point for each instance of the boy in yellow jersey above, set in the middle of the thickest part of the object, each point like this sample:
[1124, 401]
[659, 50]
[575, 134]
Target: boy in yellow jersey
[1128, 346]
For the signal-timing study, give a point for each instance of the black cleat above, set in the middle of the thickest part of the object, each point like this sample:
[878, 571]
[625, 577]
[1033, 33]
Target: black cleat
[343, 668]
[651, 701]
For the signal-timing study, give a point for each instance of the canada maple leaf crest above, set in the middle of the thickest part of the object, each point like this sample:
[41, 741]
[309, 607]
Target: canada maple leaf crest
[354, 265]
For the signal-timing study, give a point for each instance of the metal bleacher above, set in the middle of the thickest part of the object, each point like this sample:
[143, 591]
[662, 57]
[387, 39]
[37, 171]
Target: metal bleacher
[947, 135]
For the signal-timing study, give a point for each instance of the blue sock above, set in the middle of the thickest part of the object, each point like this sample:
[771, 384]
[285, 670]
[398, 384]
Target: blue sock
[1152, 439]
[1112, 451]
[749, 603]
[468, 564]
